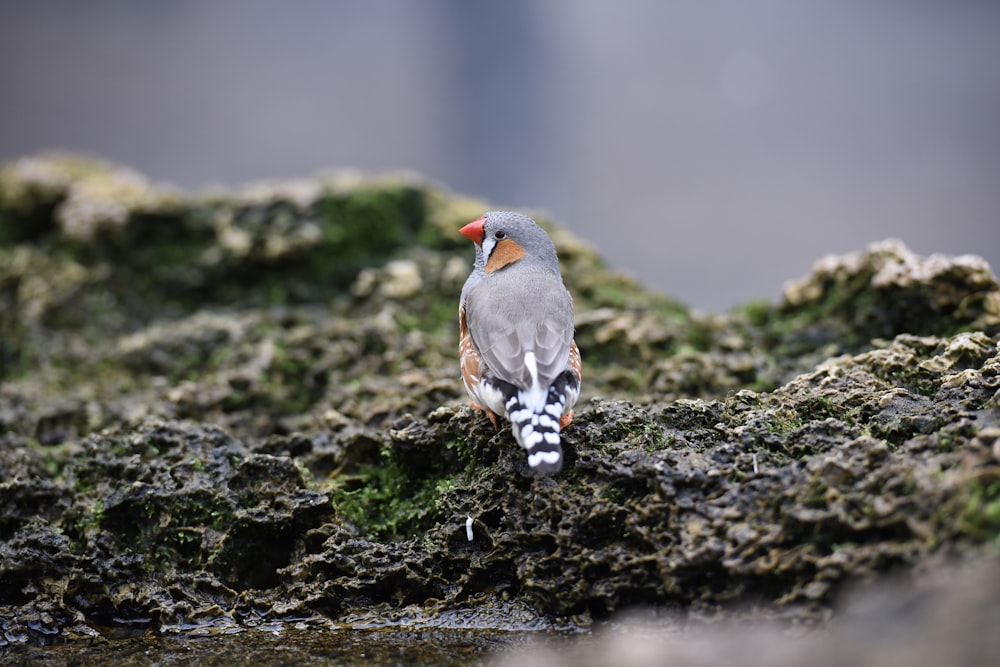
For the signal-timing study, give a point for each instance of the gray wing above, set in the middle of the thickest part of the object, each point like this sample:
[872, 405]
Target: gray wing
[508, 318]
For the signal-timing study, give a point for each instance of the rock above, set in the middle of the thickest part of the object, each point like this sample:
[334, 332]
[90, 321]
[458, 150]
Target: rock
[886, 291]
[228, 410]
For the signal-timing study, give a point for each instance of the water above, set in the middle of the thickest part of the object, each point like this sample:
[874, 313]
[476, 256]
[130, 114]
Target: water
[326, 648]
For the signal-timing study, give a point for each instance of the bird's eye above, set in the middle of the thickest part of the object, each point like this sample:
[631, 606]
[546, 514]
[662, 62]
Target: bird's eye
[499, 235]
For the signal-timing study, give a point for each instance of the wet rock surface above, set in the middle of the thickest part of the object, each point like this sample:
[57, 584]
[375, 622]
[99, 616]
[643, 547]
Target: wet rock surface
[227, 411]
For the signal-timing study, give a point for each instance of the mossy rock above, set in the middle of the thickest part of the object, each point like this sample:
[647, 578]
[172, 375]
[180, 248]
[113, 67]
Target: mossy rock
[231, 409]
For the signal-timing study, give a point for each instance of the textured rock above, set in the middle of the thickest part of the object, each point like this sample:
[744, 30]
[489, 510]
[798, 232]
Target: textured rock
[243, 410]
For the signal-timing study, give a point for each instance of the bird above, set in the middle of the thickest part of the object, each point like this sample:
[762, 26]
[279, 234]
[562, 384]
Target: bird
[517, 351]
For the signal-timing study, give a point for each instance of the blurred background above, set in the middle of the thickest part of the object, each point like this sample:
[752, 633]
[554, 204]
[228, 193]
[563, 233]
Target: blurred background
[712, 149]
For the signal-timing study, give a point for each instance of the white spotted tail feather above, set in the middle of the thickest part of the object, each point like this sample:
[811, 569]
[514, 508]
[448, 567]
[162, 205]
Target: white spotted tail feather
[537, 424]
[518, 356]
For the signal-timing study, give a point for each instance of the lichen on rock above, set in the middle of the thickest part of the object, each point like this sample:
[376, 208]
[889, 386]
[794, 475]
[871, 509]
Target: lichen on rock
[230, 410]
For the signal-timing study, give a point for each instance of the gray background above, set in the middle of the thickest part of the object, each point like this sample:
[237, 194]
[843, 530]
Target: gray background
[713, 149]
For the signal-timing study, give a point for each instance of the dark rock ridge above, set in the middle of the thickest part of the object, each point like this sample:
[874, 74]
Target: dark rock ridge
[240, 409]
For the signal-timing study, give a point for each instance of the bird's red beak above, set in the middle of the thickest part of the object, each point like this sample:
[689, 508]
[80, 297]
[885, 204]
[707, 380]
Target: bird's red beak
[474, 230]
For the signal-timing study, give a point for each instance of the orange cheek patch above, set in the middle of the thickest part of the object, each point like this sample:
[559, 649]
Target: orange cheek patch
[506, 252]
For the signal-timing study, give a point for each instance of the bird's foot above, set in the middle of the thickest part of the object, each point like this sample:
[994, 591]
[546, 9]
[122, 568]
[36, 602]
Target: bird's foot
[489, 413]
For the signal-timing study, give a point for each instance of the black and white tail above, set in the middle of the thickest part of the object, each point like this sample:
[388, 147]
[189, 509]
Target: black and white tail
[536, 427]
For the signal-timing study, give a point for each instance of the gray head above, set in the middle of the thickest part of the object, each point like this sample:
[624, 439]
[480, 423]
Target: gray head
[505, 237]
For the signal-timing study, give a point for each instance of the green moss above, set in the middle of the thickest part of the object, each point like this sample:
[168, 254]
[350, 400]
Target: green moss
[615, 494]
[605, 289]
[26, 216]
[363, 227]
[55, 459]
[758, 312]
[167, 529]
[82, 523]
[153, 258]
[980, 517]
[386, 502]
[432, 313]
[815, 407]
[285, 381]
[610, 295]
[651, 437]
[173, 260]
[783, 422]
[463, 447]
[401, 493]
[700, 336]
